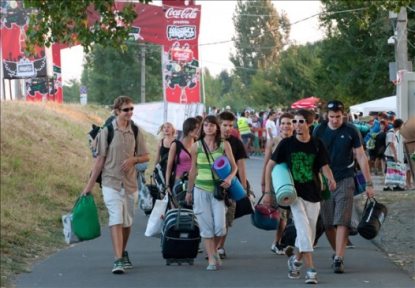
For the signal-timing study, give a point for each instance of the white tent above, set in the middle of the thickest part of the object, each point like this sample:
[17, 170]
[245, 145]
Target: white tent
[381, 105]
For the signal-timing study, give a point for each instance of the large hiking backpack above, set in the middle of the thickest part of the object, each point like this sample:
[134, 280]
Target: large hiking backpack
[93, 138]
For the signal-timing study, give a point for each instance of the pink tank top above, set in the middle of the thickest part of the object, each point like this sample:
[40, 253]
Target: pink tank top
[185, 163]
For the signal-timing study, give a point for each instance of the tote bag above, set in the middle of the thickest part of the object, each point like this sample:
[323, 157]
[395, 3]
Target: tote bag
[156, 219]
[395, 174]
[85, 221]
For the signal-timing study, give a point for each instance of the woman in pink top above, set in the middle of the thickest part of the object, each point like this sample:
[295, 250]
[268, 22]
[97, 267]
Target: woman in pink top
[180, 163]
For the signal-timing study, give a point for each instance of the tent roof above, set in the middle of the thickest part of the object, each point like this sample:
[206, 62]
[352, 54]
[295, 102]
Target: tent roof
[380, 105]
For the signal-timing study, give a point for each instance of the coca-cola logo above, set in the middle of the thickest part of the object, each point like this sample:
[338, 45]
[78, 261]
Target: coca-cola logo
[181, 32]
[186, 13]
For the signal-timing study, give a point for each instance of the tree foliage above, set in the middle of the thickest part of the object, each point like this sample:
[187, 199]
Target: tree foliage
[67, 22]
[261, 33]
[110, 73]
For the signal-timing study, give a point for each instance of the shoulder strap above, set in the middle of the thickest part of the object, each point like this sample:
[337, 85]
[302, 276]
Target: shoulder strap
[208, 155]
[110, 128]
[135, 131]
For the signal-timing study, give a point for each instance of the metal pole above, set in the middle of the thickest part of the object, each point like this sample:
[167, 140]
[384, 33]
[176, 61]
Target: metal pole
[164, 84]
[401, 41]
[143, 73]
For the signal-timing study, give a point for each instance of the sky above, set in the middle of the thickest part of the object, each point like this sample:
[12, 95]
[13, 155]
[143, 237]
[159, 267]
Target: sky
[217, 26]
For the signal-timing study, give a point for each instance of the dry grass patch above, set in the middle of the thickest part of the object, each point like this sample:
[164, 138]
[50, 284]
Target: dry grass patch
[45, 162]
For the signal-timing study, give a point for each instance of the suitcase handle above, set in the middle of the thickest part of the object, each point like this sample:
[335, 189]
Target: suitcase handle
[177, 225]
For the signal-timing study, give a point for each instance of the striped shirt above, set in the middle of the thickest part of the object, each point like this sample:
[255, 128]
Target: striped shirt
[204, 176]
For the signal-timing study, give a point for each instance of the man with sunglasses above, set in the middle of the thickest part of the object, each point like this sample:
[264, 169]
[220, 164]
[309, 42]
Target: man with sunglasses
[305, 157]
[344, 144]
[116, 160]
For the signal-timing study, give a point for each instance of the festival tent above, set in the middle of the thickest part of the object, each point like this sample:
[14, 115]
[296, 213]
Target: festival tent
[306, 103]
[380, 105]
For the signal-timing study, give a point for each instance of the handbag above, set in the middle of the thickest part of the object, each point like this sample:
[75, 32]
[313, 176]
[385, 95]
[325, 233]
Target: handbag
[68, 232]
[395, 174]
[245, 206]
[265, 217]
[85, 221]
[156, 219]
[373, 216]
[219, 192]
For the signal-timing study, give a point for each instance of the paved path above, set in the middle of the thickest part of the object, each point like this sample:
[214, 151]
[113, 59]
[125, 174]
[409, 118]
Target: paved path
[250, 262]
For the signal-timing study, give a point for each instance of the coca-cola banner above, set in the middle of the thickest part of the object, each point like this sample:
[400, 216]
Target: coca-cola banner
[177, 29]
[16, 63]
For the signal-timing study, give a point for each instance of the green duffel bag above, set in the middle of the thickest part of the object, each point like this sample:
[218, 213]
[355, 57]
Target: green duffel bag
[85, 221]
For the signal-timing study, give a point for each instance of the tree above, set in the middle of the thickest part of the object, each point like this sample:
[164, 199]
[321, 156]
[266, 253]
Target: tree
[355, 55]
[67, 22]
[110, 73]
[261, 34]
[71, 92]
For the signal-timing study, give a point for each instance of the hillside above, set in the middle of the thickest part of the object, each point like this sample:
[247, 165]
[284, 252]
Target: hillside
[45, 162]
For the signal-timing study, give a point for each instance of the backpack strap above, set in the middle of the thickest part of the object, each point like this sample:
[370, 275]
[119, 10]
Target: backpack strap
[111, 134]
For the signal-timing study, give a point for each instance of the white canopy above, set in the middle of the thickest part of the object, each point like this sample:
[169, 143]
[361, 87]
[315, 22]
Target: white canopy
[381, 105]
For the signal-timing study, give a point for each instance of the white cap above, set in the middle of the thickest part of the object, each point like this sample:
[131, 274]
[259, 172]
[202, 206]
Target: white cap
[228, 107]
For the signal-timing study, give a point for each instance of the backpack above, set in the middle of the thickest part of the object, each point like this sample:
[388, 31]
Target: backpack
[371, 142]
[93, 138]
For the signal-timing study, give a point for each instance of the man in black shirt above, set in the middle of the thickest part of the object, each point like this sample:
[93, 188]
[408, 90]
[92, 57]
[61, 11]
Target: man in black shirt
[305, 157]
[226, 120]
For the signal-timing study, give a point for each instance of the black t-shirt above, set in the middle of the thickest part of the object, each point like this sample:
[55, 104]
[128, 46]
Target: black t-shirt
[304, 161]
[340, 144]
[238, 149]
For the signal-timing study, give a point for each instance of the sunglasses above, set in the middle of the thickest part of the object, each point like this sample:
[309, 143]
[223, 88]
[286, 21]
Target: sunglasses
[126, 110]
[301, 121]
[335, 106]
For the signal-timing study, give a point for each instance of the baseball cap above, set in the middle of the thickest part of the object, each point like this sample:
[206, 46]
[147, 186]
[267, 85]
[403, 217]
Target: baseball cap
[228, 107]
[335, 105]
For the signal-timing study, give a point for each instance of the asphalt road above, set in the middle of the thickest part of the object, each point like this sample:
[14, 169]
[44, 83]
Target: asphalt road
[249, 264]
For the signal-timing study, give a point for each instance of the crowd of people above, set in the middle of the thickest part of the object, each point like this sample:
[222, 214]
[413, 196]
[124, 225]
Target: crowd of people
[310, 145]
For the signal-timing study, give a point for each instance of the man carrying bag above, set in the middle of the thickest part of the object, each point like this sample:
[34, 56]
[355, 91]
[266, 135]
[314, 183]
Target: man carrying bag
[116, 160]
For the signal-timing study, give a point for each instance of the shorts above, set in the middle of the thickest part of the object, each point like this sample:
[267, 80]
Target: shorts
[210, 214]
[120, 206]
[246, 137]
[337, 211]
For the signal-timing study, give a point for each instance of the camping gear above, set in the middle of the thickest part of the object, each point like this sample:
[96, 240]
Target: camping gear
[222, 168]
[265, 217]
[283, 185]
[373, 216]
[395, 174]
[156, 219]
[306, 103]
[85, 221]
[180, 237]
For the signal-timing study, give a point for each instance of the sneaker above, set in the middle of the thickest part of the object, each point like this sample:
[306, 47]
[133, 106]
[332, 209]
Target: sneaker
[217, 259]
[118, 267]
[211, 267]
[349, 245]
[398, 188]
[222, 253]
[126, 261]
[387, 188]
[338, 266]
[311, 276]
[294, 268]
[278, 249]
[289, 251]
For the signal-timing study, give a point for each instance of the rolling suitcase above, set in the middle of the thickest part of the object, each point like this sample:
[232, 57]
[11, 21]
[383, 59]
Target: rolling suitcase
[180, 237]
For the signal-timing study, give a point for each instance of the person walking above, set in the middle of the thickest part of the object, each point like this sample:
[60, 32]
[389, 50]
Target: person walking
[226, 120]
[179, 163]
[117, 162]
[210, 212]
[344, 143]
[286, 128]
[393, 139]
[305, 157]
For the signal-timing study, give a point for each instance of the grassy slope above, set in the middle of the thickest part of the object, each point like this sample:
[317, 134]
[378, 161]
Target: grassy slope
[45, 162]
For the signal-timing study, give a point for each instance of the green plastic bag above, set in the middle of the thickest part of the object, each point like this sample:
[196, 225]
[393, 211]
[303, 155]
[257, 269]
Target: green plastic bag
[85, 221]
[325, 192]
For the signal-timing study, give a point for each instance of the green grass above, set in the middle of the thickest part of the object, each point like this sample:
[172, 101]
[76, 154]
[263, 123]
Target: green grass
[45, 163]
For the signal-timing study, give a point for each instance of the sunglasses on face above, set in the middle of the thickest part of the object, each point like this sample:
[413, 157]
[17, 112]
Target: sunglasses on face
[301, 121]
[126, 110]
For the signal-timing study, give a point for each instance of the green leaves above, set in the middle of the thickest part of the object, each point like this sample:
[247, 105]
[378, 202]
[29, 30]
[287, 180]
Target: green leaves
[66, 21]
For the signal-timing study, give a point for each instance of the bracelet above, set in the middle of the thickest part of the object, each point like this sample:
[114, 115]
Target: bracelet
[369, 184]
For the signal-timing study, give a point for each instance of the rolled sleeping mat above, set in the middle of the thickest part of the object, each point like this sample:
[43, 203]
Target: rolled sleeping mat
[223, 168]
[283, 184]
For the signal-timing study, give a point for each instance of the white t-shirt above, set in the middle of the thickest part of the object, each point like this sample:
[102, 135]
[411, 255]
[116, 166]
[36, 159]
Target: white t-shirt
[391, 137]
[270, 125]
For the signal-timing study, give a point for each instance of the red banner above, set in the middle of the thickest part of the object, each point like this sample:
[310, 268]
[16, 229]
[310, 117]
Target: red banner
[177, 29]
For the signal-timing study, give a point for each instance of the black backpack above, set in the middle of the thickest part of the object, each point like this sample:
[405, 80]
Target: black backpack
[93, 138]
